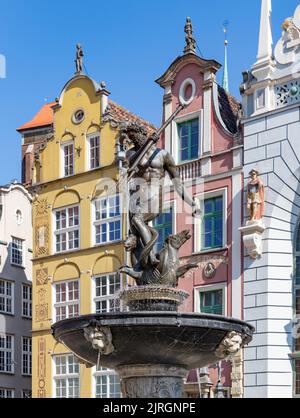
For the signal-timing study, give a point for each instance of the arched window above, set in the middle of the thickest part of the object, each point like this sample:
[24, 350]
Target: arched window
[297, 313]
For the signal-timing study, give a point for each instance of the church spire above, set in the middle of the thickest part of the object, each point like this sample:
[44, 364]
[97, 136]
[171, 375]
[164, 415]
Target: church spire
[265, 45]
[225, 82]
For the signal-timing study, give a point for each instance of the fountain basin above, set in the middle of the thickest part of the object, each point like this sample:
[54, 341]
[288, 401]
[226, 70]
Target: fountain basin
[169, 338]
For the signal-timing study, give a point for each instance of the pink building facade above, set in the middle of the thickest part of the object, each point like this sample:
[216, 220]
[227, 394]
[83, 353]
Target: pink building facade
[206, 143]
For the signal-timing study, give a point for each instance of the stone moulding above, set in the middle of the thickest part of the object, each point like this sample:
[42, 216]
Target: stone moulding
[252, 238]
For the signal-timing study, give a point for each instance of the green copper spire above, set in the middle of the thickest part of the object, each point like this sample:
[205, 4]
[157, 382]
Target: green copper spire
[225, 82]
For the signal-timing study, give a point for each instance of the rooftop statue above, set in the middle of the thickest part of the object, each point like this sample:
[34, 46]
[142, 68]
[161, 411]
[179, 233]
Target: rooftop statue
[189, 39]
[79, 59]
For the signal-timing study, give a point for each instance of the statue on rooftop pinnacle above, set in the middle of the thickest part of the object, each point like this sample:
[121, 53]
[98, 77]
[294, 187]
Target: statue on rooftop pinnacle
[148, 166]
[189, 39]
[79, 59]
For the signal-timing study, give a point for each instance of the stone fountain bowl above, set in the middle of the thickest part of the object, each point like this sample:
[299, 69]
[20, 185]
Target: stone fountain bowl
[153, 338]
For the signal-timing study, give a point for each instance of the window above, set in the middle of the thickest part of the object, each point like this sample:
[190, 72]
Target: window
[67, 229]
[164, 226]
[68, 160]
[6, 297]
[66, 300]
[6, 354]
[107, 220]
[212, 225]
[7, 393]
[106, 293]
[27, 301]
[211, 302]
[26, 356]
[66, 377]
[94, 145]
[26, 394]
[260, 99]
[188, 133]
[17, 252]
[107, 384]
[78, 116]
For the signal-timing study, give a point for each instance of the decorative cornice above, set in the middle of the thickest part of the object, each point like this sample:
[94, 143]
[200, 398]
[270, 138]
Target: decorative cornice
[169, 76]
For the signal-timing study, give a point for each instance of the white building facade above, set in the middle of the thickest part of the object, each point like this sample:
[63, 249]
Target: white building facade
[271, 102]
[15, 292]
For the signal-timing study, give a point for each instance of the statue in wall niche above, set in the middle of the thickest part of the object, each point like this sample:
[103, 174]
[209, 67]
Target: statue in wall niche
[255, 197]
[79, 59]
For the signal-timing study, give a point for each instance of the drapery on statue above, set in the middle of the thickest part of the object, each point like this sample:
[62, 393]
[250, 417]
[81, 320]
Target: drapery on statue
[255, 197]
[189, 38]
[79, 59]
[146, 204]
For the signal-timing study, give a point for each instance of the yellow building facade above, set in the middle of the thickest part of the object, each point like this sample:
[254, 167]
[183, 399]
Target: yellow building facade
[78, 233]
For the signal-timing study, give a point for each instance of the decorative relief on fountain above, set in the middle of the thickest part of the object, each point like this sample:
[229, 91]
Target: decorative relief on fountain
[254, 229]
[100, 338]
[148, 381]
[230, 346]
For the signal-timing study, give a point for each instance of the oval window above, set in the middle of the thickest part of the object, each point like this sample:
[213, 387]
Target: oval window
[78, 116]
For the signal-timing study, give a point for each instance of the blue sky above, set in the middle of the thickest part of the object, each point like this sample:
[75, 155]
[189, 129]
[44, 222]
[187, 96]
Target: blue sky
[127, 43]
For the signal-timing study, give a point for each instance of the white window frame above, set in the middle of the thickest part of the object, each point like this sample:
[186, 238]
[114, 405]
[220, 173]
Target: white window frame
[103, 372]
[210, 288]
[106, 221]
[28, 302]
[23, 252]
[89, 160]
[66, 230]
[107, 297]
[12, 351]
[11, 298]
[6, 391]
[28, 355]
[198, 221]
[63, 165]
[66, 376]
[175, 141]
[67, 303]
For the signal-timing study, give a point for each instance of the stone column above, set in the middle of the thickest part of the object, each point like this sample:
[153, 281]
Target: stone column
[152, 381]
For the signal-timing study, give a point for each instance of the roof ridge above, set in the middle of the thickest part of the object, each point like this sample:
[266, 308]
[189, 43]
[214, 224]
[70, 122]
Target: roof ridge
[131, 113]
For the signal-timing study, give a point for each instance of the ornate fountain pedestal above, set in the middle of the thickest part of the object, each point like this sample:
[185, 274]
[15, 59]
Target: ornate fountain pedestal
[153, 351]
[152, 381]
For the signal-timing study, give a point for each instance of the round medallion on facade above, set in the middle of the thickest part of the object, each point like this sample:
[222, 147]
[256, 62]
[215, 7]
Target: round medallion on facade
[209, 270]
[187, 91]
[78, 116]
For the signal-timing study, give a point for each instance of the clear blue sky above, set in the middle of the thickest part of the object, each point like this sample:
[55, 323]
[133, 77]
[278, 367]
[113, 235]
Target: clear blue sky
[127, 43]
